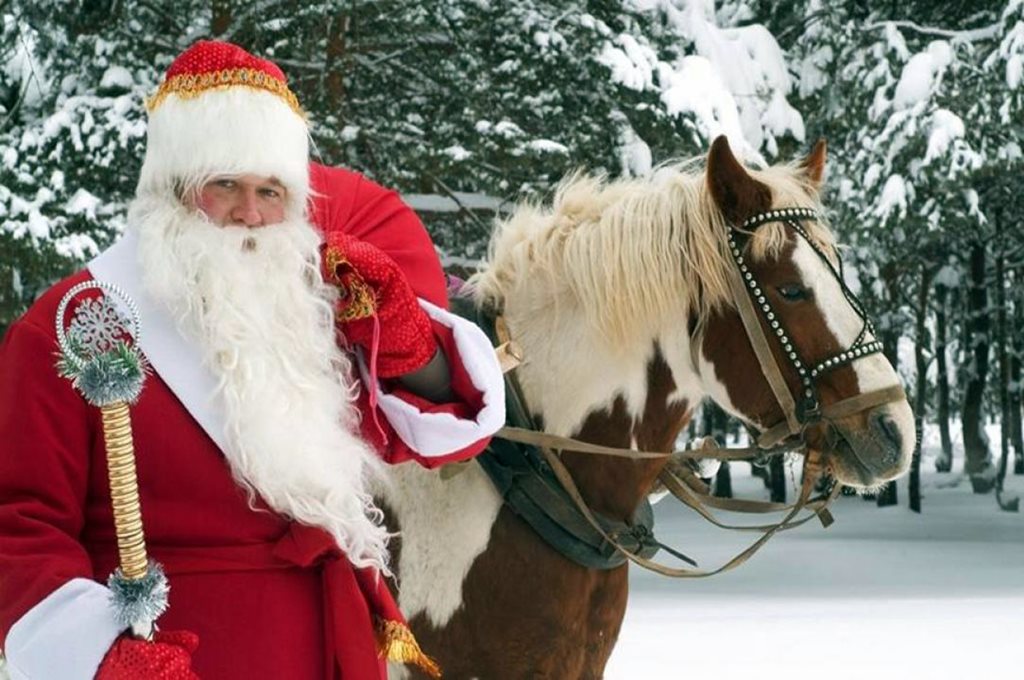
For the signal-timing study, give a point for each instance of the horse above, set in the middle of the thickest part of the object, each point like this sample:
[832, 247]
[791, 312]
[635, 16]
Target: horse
[618, 295]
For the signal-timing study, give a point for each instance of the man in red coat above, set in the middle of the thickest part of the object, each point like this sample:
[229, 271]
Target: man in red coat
[288, 361]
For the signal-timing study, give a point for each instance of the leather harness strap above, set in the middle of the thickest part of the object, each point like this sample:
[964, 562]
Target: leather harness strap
[533, 438]
[683, 485]
[863, 401]
[769, 366]
[832, 412]
[839, 410]
[810, 476]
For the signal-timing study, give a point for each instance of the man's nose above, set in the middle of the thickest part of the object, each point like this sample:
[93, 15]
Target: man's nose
[246, 211]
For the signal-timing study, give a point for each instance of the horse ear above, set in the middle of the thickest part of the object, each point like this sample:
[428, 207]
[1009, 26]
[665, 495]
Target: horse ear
[814, 164]
[735, 192]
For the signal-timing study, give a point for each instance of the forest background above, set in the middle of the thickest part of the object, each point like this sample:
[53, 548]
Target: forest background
[468, 106]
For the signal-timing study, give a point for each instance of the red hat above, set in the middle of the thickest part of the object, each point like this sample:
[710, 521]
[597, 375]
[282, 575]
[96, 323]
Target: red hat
[223, 111]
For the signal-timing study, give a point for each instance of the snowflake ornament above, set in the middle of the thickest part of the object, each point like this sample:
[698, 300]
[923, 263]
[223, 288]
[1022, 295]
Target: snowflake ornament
[98, 350]
[98, 325]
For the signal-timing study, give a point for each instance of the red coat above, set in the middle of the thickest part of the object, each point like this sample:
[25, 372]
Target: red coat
[268, 598]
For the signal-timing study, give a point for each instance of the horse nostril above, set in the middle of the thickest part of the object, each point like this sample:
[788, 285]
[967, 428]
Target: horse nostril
[885, 426]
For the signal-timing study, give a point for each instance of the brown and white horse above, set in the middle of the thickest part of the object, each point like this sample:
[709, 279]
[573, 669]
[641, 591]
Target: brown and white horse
[618, 295]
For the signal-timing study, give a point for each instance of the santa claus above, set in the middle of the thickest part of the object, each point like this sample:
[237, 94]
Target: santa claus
[294, 317]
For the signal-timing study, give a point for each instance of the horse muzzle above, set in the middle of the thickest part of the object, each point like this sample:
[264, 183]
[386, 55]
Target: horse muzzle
[871, 448]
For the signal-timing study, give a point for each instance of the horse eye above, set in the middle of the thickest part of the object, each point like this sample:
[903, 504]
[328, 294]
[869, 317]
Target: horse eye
[792, 292]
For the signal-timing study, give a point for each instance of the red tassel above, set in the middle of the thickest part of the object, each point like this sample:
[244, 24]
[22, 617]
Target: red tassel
[374, 346]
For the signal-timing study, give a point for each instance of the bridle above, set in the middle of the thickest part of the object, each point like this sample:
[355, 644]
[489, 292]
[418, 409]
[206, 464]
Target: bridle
[788, 435]
[752, 303]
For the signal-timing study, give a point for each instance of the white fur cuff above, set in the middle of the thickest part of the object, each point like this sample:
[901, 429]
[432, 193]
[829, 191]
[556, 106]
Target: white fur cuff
[439, 434]
[65, 636]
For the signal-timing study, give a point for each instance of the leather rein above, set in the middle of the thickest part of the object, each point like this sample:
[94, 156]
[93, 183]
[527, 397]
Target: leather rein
[799, 412]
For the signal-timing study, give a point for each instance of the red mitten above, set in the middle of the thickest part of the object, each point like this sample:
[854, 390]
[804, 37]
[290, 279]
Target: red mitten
[167, 657]
[377, 309]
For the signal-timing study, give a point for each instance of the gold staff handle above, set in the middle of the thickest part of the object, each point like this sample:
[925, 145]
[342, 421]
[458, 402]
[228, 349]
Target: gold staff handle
[124, 490]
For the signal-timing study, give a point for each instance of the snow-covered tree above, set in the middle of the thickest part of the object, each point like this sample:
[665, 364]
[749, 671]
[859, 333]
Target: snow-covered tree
[922, 118]
[71, 140]
[442, 98]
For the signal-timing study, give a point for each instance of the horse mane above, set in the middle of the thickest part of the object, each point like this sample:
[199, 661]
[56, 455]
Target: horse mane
[630, 253]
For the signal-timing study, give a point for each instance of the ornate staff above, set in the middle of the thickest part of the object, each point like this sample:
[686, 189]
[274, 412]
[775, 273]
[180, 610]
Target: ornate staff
[99, 355]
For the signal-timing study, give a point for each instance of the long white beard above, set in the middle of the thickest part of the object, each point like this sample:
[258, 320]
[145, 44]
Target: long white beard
[254, 301]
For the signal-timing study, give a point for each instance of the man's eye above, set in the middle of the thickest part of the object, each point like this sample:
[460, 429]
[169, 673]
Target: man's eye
[792, 292]
[270, 193]
[225, 183]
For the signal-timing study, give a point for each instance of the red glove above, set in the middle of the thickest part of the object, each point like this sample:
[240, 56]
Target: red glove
[377, 309]
[167, 657]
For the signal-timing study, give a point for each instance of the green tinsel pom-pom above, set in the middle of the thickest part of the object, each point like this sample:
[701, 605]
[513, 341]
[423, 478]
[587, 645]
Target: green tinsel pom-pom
[139, 601]
[106, 378]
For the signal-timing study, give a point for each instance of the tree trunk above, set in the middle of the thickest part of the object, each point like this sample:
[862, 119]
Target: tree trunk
[1016, 388]
[220, 22]
[920, 391]
[335, 62]
[718, 423]
[707, 419]
[337, 66]
[1016, 426]
[887, 495]
[777, 479]
[977, 459]
[1004, 369]
[944, 461]
[1009, 504]
[723, 481]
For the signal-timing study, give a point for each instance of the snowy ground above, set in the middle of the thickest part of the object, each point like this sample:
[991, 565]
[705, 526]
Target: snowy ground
[883, 593]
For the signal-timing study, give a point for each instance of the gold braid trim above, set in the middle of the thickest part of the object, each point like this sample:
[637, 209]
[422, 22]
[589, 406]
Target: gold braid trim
[192, 85]
[359, 302]
[124, 490]
[395, 642]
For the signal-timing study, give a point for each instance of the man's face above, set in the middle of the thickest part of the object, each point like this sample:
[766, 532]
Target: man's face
[243, 201]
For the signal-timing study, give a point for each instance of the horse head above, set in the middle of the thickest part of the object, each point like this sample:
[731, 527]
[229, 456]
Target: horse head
[787, 263]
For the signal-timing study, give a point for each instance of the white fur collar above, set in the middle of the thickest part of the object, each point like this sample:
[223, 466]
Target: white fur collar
[176, 358]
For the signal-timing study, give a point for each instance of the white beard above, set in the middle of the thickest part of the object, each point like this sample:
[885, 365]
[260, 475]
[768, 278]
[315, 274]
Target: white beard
[255, 303]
